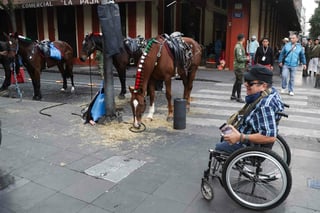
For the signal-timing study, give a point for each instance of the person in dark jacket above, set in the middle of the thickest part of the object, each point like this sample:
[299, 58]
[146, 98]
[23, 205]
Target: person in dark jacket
[264, 55]
[239, 64]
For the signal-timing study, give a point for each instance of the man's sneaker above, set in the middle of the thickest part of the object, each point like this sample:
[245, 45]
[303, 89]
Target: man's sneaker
[233, 98]
[291, 93]
[283, 91]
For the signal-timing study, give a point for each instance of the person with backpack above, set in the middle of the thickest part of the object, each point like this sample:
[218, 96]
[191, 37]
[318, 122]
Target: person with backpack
[291, 56]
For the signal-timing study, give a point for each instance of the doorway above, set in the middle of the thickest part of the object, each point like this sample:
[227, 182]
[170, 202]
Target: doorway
[67, 26]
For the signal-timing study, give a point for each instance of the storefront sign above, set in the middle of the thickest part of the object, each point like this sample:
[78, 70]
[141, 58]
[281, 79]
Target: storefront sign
[237, 14]
[37, 4]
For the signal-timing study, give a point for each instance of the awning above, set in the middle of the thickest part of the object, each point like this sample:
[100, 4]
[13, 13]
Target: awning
[289, 14]
[52, 3]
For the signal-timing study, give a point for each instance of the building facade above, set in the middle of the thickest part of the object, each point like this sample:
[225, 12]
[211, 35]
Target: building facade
[204, 20]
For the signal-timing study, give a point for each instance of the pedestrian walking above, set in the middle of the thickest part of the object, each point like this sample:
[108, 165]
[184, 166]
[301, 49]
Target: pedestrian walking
[284, 42]
[307, 51]
[252, 46]
[239, 64]
[264, 55]
[314, 58]
[291, 55]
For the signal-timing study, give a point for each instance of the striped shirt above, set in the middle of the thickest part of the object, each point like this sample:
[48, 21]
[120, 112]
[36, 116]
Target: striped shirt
[262, 119]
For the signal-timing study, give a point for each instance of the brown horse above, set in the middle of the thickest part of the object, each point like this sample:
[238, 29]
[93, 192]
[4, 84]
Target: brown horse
[131, 49]
[35, 60]
[159, 63]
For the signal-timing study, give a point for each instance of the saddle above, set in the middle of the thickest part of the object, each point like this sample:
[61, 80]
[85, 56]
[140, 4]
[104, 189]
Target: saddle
[49, 50]
[181, 51]
[134, 45]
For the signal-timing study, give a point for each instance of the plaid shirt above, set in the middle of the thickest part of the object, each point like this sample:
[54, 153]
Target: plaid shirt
[263, 118]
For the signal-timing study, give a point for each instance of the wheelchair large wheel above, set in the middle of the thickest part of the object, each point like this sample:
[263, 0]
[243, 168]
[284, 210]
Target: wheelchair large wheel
[282, 148]
[256, 178]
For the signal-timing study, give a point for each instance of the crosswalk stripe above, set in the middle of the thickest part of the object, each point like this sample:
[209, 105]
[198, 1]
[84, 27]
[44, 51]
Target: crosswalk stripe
[228, 103]
[212, 107]
[284, 130]
[299, 93]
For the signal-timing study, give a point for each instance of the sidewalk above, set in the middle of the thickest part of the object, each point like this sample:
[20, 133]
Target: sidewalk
[46, 162]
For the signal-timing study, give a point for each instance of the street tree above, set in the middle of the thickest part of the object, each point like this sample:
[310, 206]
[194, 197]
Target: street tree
[315, 23]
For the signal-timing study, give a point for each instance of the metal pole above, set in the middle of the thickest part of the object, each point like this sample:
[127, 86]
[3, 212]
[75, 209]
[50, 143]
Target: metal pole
[109, 17]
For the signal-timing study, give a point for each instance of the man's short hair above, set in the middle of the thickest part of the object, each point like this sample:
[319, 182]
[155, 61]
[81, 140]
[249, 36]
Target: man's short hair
[240, 36]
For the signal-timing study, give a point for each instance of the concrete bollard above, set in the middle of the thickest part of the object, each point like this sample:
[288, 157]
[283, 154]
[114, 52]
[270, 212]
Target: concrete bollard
[317, 81]
[179, 116]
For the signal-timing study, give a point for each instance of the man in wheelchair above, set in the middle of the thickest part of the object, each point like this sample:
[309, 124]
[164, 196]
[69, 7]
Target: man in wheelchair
[256, 122]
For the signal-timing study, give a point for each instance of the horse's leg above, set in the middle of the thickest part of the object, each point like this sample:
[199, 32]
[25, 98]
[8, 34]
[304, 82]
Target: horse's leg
[7, 81]
[64, 76]
[35, 77]
[69, 69]
[151, 89]
[188, 85]
[169, 96]
[120, 62]
[122, 77]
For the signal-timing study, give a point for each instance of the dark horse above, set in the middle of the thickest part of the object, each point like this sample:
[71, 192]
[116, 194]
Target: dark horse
[158, 62]
[35, 60]
[5, 61]
[131, 49]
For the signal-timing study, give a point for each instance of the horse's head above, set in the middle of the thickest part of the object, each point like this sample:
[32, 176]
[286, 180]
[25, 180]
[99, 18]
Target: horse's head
[138, 105]
[88, 47]
[12, 45]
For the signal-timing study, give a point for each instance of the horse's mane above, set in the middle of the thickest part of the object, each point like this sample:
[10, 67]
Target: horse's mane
[25, 39]
[139, 74]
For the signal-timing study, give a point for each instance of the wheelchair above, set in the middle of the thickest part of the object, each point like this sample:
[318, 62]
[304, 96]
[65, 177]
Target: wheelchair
[255, 177]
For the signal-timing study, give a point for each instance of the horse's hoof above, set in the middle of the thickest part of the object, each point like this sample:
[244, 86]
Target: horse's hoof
[37, 98]
[62, 89]
[72, 89]
[149, 119]
[4, 93]
[169, 119]
[3, 89]
[121, 96]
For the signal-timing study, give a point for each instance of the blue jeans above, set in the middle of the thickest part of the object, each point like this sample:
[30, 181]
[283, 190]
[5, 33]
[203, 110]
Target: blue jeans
[226, 147]
[288, 73]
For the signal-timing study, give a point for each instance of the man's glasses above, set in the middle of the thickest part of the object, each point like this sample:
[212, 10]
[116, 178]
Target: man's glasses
[251, 83]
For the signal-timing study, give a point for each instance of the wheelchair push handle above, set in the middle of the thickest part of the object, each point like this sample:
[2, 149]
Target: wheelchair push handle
[282, 114]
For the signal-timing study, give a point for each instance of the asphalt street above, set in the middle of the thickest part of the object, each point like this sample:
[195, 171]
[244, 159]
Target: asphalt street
[53, 162]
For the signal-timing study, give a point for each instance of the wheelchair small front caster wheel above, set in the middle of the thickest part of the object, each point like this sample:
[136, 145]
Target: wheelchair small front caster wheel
[206, 190]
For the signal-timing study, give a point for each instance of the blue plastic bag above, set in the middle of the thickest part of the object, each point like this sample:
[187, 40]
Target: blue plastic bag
[98, 109]
[54, 52]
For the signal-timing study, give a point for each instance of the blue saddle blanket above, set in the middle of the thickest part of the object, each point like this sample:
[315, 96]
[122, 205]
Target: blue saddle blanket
[54, 52]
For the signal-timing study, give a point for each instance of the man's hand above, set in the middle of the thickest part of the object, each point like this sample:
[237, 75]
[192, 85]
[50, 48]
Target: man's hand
[280, 64]
[233, 137]
[304, 67]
